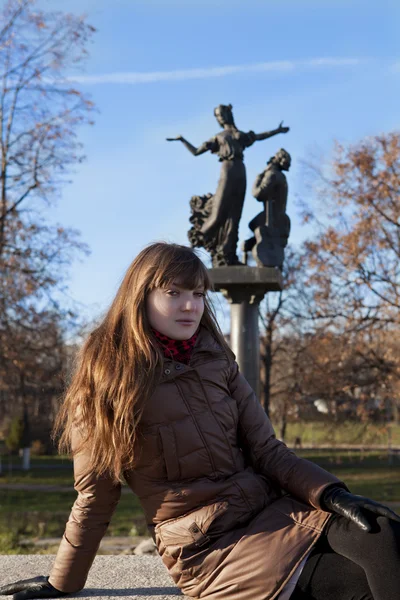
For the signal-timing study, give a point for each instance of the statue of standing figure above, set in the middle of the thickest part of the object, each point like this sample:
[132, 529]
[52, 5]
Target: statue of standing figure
[271, 227]
[215, 217]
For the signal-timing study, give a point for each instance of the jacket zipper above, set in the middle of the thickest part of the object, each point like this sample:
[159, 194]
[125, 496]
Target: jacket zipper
[216, 420]
[197, 427]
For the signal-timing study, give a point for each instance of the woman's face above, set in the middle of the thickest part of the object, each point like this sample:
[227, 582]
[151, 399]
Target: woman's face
[223, 115]
[220, 118]
[175, 311]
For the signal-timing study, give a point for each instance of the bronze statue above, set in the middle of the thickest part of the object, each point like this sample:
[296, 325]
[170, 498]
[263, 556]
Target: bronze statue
[216, 217]
[271, 227]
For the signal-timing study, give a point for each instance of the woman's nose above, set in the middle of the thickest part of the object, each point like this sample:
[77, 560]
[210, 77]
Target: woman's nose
[188, 304]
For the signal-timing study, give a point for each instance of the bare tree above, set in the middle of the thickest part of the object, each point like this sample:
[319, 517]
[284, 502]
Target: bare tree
[40, 113]
[276, 316]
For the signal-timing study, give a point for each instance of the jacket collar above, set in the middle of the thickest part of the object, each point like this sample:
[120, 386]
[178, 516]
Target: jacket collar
[205, 349]
[206, 345]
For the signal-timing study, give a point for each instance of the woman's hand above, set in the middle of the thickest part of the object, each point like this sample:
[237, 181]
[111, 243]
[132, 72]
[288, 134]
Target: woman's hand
[178, 138]
[283, 129]
[337, 500]
[36, 587]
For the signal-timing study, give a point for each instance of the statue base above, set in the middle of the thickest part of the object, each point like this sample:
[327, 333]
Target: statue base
[246, 283]
[245, 287]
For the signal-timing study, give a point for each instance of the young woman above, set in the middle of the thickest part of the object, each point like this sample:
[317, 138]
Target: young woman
[157, 398]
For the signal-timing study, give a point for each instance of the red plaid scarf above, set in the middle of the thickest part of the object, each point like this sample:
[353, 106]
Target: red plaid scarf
[179, 350]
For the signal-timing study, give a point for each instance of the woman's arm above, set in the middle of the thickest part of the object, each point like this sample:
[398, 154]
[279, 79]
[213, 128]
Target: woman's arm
[264, 181]
[271, 457]
[267, 134]
[86, 526]
[205, 147]
[88, 521]
[301, 478]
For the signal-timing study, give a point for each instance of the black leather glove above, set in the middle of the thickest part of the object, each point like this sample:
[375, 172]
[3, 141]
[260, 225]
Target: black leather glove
[337, 500]
[36, 587]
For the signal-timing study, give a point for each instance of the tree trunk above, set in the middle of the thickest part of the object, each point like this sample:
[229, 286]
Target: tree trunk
[282, 431]
[266, 365]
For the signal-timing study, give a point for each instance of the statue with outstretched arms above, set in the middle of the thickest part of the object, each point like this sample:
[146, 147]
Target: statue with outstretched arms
[215, 217]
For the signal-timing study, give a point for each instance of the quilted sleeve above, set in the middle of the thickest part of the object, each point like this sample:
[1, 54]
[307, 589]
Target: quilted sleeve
[271, 457]
[87, 524]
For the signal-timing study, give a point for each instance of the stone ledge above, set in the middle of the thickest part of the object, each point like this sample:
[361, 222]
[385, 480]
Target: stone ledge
[269, 278]
[111, 577]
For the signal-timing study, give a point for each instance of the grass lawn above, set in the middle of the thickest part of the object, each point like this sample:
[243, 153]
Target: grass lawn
[43, 515]
[365, 473]
[347, 432]
[47, 477]
[49, 470]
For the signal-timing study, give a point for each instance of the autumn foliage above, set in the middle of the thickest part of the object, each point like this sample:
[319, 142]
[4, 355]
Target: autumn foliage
[336, 336]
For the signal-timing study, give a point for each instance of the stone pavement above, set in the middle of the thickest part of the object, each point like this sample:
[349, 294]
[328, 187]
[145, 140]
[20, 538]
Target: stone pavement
[110, 578]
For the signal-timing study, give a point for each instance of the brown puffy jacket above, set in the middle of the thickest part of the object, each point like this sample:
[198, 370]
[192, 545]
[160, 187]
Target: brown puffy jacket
[232, 510]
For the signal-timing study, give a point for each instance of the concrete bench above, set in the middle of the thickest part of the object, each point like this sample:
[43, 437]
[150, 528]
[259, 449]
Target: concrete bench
[111, 577]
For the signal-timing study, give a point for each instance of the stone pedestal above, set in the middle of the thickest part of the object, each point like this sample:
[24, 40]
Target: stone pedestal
[244, 287]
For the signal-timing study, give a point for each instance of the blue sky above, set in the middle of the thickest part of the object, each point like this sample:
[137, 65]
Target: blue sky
[330, 69]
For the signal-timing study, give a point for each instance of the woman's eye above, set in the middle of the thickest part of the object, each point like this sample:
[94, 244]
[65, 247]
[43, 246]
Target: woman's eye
[176, 293]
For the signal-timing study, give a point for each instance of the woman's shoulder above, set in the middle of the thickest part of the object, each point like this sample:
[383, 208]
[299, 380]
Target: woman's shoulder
[207, 341]
[247, 138]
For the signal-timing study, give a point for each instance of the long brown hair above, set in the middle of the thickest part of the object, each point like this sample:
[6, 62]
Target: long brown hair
[121, 362]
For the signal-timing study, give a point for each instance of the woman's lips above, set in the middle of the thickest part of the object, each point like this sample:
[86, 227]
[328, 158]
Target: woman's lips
[185, 322]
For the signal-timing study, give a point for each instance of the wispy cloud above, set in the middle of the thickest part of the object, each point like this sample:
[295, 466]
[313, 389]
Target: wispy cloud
[331, 62]
[395, 67]
[282, 66]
